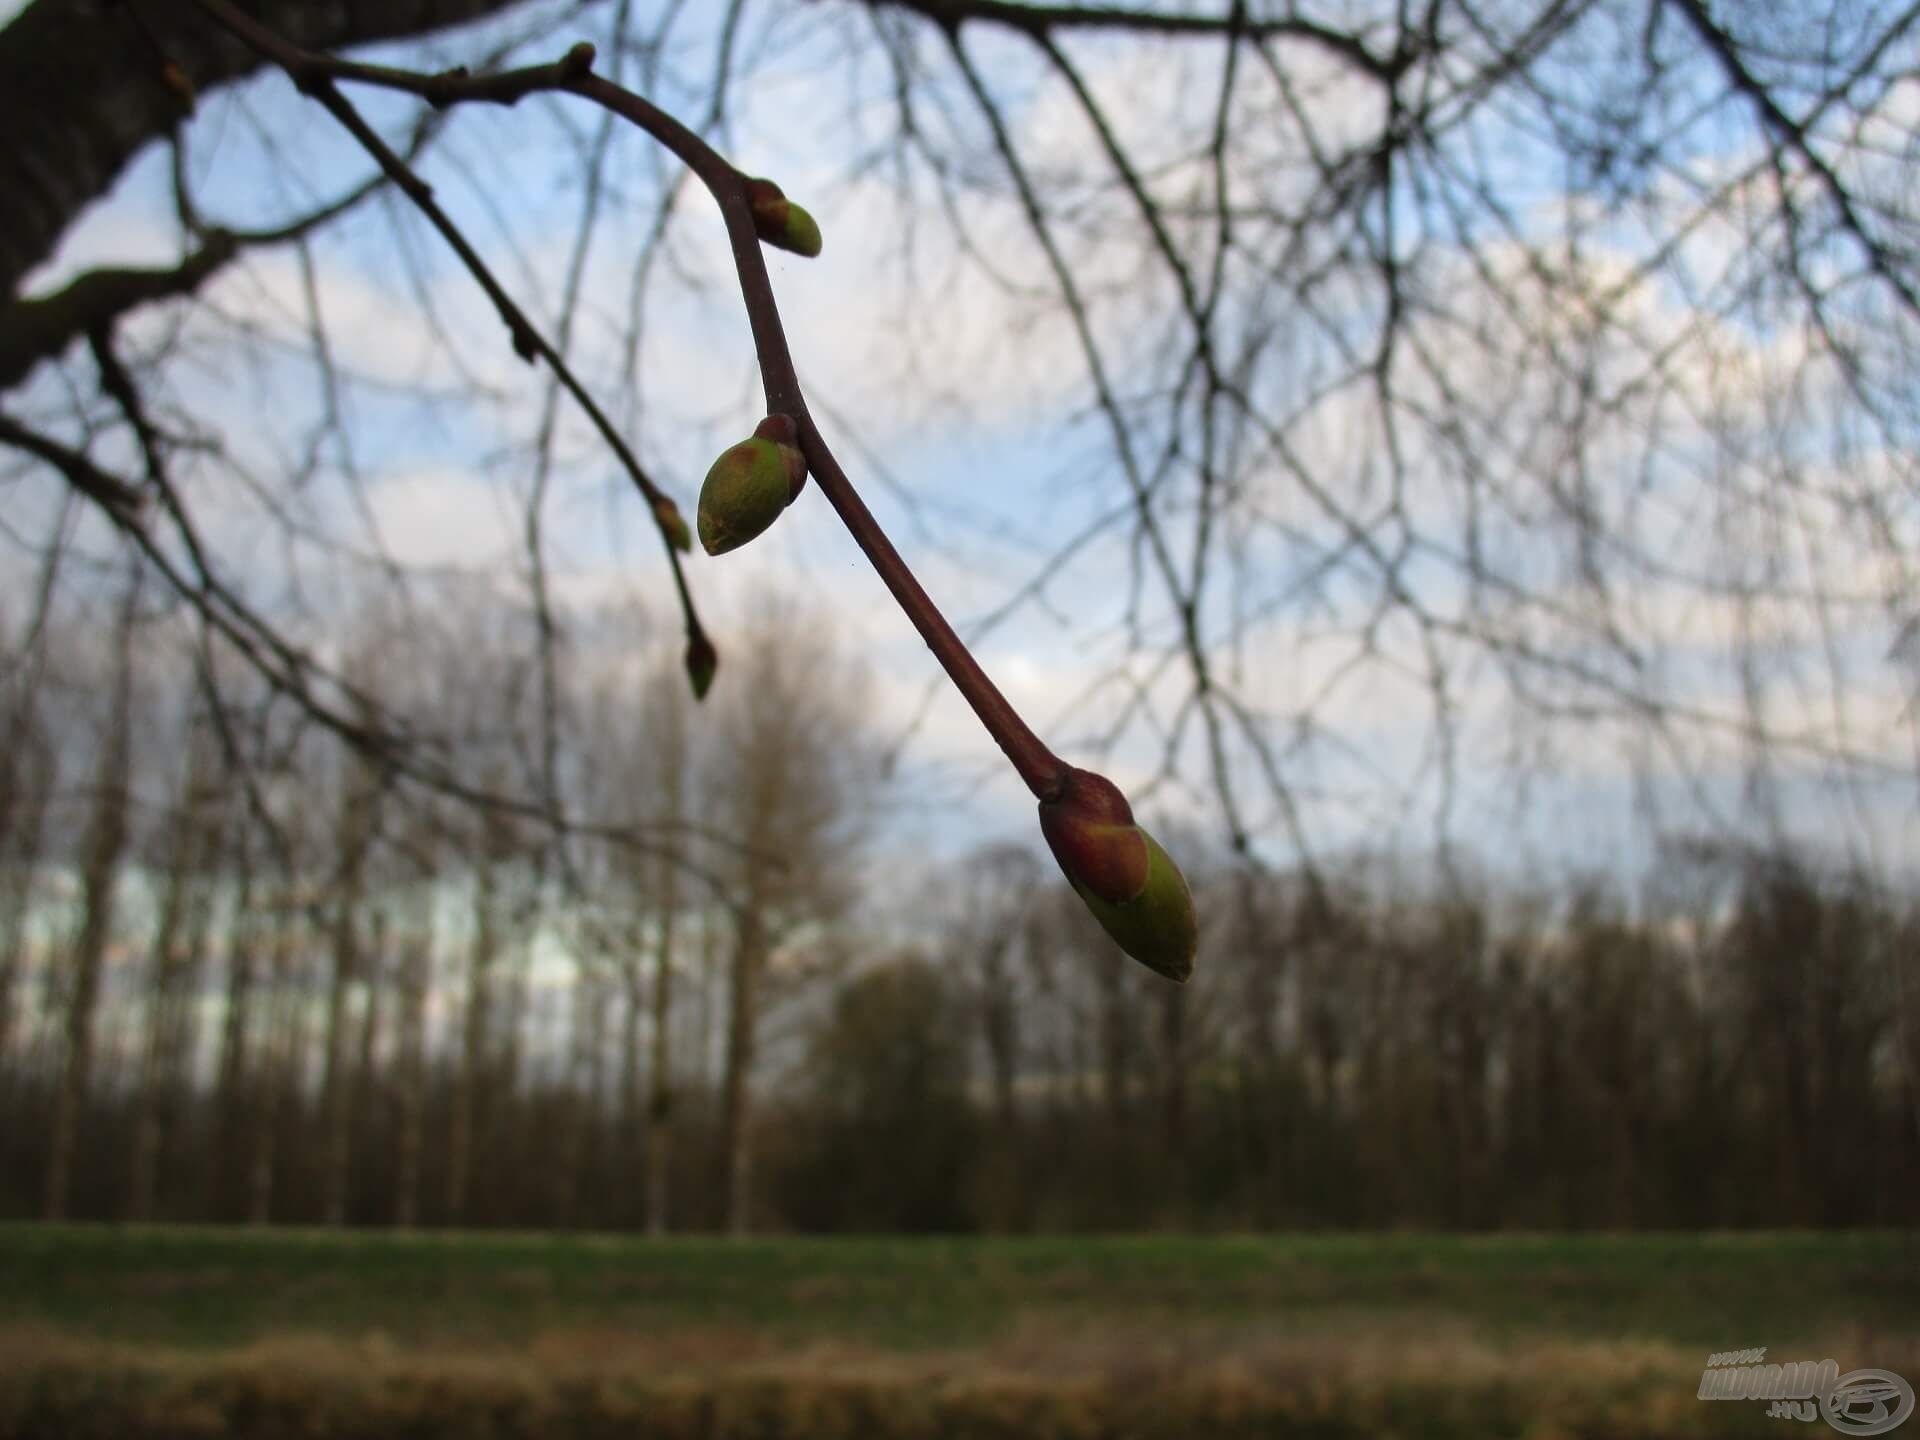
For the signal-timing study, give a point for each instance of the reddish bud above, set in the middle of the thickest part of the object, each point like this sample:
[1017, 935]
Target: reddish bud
[672, 524]
[1130, 884]
[784, 433]
[781, 223]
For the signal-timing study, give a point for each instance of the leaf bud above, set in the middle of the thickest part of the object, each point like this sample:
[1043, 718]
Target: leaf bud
[672, 524]
[749, 485]
[702, 662]
[1130, 884]
[781, 223]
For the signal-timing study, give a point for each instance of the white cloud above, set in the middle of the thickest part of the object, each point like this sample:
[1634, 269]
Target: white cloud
[444, 518]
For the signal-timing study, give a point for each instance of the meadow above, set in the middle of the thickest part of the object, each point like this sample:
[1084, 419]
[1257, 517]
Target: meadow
[148, 1332]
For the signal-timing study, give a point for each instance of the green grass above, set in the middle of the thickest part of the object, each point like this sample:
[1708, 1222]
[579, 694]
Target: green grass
[149, 1333]
[220, 1287]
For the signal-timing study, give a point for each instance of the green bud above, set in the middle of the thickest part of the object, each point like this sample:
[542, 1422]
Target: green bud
[672, 524]
[781, 223]
[1158, 926]
[702, 661]
[1130, 884]
[743, 494]
[749, 485]
[801, 233]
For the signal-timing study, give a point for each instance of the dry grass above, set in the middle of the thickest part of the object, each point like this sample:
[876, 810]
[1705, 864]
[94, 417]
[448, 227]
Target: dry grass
[721, 1384]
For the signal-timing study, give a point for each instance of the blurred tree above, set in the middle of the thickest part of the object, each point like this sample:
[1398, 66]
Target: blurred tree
[410, 1080]
[894, 1134]
[108, 828]
[188, 843]
[787, 777]
[358, 797]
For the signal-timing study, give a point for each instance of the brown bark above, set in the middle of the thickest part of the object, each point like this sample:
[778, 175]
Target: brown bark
[80, 92]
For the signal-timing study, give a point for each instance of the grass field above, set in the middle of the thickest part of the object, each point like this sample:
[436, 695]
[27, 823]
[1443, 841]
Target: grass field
[137, 1333]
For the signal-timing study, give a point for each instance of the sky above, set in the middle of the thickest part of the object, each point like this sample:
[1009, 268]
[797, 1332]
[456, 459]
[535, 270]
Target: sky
[963, 420]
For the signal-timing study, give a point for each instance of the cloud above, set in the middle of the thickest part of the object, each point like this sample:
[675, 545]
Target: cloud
[446, 518]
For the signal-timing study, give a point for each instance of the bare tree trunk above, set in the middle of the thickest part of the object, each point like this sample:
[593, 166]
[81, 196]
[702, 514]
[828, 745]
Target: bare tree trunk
[1116, 1045]
[179, 941]
[660, 1076]
[1174, 1060]
[105, 845]
[147, 1118]
[352, 838]
[736, 1106]
[708, 1011]
[334, 1092]
[473, 1047]
[504, 1097]
[273, 1080]
[1001, 1193]
[182, 1100]
[416, 977]
[580, 1103]
[631, 1110]
[375, 973]
[1000, 1027]
[29, 763]
[236, 1015]
[22, 833]
[669, 755]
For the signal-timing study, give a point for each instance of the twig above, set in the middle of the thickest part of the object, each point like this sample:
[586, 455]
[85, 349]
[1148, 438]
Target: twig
[1042, 771]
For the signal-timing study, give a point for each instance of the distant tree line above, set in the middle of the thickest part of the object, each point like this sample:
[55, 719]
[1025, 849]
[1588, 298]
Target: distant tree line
[326, 996]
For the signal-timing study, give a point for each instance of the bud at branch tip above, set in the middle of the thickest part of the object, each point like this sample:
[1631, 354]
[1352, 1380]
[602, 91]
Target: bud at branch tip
[1130, 884]
[781, 223]
[702, 662]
